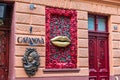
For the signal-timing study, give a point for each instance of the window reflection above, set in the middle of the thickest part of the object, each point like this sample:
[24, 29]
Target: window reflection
[101, 24]
[91, 23]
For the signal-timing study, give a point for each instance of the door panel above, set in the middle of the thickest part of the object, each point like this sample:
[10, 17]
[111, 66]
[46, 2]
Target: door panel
[98, 58]
[102, 55]
[92, 54]
[3, 55]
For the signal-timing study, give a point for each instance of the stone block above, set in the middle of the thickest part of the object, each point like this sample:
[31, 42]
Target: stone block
[82, 34]
[82, 15]
[116, 61]
[83, 62]
[37, 19]
[116, 35]
[115, 19]
[115, 44]
[83, 52]
[22, 18]
[25, 7]
[83, 43]
[82, 24]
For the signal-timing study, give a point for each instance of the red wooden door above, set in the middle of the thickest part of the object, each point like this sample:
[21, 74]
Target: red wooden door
[4, 55]
[98, 57]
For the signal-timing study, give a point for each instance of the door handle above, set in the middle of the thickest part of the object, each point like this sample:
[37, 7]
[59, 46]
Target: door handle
[6, 70]
[99, 64]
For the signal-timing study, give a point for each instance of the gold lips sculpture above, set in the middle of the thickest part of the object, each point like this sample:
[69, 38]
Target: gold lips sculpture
[61, 41]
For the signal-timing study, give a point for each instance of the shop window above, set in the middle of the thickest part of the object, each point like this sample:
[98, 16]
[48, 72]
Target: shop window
[61, 22]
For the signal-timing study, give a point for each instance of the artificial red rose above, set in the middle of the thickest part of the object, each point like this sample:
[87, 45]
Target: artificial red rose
[74, 60]
[62, 21]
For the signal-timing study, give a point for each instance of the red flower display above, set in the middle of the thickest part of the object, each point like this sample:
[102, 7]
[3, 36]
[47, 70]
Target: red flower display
[61, 22]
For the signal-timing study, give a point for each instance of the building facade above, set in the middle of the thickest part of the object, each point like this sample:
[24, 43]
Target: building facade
[74, 39]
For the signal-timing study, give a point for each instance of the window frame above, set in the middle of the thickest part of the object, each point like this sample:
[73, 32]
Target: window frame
[96, 23]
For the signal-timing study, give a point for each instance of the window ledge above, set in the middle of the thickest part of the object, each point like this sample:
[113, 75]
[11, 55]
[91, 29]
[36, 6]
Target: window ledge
[61, 70]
